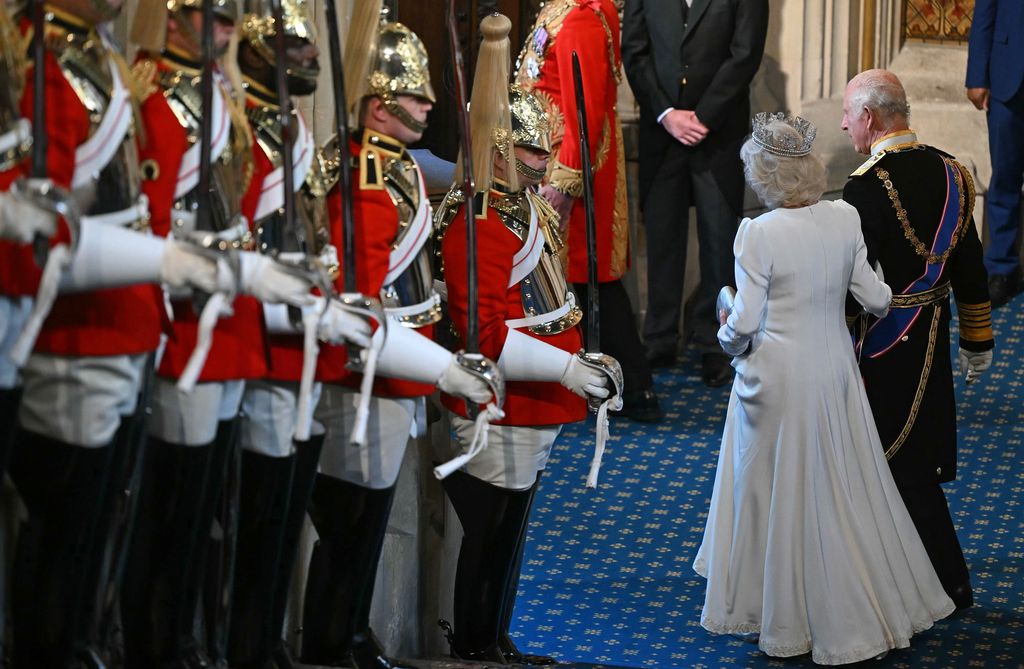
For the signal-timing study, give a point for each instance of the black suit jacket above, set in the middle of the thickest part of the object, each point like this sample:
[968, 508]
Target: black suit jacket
[717, 54]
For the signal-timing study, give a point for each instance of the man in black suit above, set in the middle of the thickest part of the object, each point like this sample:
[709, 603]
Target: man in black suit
[690, 63]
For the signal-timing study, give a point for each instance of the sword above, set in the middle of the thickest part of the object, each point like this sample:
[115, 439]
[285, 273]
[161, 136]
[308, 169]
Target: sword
[341, 120]
[593, 331]
[592, 356]
[468, 187]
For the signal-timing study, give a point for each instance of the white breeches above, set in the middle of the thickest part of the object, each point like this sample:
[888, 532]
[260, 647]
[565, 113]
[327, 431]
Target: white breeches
[513, 456]
[14, 312]
[377, 464]
[190, 419]
[271, 411]
[79, 400]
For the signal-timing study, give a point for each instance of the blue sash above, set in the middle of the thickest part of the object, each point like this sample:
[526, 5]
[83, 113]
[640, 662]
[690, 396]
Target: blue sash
[884, 334]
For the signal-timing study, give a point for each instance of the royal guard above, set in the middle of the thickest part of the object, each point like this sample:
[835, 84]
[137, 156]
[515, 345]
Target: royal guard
[528, 320]
[78, 420]
[590, 28]
[389, 91]
[191, 434]
[278, 467]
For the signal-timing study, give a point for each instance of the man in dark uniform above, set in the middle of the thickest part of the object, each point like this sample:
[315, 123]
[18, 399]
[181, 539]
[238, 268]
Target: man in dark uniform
[915, 204]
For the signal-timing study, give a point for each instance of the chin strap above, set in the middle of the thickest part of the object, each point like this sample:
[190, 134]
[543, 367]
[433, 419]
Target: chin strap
[480, 429]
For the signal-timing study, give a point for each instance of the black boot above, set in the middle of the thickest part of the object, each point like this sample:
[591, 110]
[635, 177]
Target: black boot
[169, 530]
[351, 521]
[10, 398]
[109, 542]
[508, 603]
[263, 508]
[492, 520]
[307, 458]
[215, 558]
[61, 486]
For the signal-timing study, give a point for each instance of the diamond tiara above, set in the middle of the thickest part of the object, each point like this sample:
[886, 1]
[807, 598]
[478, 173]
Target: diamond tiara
[784, 145]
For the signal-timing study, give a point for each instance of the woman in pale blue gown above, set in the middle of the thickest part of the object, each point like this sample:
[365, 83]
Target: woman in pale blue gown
[807, 543]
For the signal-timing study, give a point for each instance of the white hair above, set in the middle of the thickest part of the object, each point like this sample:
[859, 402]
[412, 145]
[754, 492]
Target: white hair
[881, 92]
[781, 181]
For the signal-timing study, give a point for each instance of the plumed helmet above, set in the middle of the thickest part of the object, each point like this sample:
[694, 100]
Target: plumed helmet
[384, 59]
[531, 126]
[258, 28]
[149, 27]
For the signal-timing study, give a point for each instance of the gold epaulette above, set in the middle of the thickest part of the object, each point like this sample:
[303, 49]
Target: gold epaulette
[867, 164]
[975, 321]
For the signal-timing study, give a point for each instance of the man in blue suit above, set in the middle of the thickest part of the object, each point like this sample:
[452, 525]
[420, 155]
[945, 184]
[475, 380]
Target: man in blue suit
[995, 83]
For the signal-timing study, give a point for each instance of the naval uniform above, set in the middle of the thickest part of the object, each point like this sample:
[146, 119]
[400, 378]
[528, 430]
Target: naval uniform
[915, 204]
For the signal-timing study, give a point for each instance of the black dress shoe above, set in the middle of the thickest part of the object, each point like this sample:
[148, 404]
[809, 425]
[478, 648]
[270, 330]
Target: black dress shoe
[962, 596]
[659, 358]
[642, 406]
[716, 369]
[1002, 287]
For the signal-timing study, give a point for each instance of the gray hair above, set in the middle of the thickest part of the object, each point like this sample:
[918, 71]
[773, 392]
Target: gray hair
[879, 91]
[781, 181]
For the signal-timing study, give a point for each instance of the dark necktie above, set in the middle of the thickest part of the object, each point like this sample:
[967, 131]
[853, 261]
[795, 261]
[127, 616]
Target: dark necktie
[684, 8]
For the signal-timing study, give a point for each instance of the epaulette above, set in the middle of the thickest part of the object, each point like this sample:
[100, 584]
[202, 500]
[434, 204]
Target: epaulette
[514, 212]
[867, 165]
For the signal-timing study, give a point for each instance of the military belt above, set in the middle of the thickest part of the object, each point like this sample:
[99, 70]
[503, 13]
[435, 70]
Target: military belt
[923, 298]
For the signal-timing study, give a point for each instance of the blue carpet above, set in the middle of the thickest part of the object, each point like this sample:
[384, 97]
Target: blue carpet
[608, 578]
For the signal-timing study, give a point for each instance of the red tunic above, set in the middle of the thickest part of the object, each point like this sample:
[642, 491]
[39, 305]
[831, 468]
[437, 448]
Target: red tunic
[376, 219]
[237, 351]
[526, 402]
[116, 321]
[591, 29]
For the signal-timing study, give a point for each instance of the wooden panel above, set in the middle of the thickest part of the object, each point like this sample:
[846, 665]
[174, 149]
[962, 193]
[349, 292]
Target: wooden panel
[428, 19]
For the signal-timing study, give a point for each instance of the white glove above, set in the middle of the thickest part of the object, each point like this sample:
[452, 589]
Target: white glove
[21, 221]
[267, 281]
[183, 266]
[583, 380]
[974, 363]
[338, 325]
[457, 381]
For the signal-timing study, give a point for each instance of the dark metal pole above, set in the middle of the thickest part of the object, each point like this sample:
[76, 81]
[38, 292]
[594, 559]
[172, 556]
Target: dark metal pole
[468, 187]
[348, 243]
[287, 129]
[593, 332]
[206, 123]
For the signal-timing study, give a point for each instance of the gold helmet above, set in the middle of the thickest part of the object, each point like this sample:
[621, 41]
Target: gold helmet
[531, 126]
[388, 62]
[258, 29]
[149, 27]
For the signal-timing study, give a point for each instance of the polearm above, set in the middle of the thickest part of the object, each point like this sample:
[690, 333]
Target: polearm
[593, 332]
[468, 187]
[348, 255]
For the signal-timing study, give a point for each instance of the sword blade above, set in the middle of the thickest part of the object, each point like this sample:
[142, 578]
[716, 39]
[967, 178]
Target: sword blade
[593, 332]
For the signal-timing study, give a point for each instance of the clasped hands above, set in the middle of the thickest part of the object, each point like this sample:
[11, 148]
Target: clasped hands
[684, 126]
